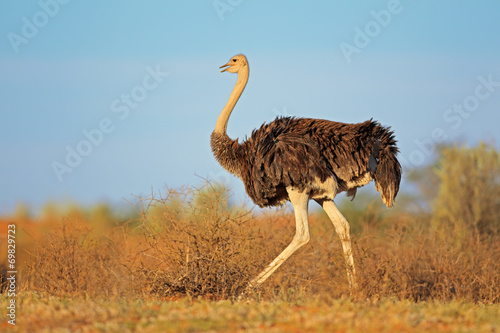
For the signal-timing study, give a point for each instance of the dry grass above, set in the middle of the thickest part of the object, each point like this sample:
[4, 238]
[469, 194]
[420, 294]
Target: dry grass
[179, 266]
[43, 313]
[192, 243]
[71, 261]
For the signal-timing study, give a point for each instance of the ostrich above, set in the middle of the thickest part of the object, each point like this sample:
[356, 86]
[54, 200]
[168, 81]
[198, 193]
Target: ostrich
[299, 159]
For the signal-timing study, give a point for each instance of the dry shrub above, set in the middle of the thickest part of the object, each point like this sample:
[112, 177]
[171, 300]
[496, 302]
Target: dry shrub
[421, 266]
[406, 262]
[195, 244]
[71, 261]
[191, 242]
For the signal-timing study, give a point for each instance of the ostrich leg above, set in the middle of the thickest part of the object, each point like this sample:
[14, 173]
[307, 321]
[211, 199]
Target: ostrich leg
[299, 202]
[342, 227]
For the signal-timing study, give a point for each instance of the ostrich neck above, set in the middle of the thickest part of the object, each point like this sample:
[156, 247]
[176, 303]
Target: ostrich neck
[226, 151]
[241, 82]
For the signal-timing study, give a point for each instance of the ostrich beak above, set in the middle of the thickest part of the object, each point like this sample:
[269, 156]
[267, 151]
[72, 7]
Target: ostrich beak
[228, 65]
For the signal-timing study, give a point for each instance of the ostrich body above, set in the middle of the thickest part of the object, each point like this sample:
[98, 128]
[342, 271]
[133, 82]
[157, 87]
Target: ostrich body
[298, 159]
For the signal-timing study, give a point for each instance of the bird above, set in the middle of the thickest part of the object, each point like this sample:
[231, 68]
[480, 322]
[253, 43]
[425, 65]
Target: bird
[301, 159]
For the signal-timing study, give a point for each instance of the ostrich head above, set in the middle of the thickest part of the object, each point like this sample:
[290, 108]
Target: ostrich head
[236, 64]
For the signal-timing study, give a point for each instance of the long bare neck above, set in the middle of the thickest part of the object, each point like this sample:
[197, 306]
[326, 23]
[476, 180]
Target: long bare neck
[226, 151]
[241, 82]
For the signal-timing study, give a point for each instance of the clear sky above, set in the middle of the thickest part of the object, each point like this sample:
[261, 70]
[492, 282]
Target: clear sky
[104, 100]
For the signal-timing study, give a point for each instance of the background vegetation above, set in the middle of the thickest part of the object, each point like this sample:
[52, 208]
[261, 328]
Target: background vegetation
[440, 244]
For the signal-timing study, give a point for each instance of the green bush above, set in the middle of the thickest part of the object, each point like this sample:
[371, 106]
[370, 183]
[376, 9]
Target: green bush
[468, 201]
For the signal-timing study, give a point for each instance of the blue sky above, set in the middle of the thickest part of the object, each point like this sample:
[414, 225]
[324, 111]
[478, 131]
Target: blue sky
[133, 87]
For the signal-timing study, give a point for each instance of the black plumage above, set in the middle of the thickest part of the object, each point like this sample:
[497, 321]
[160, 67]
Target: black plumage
[304, 153]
